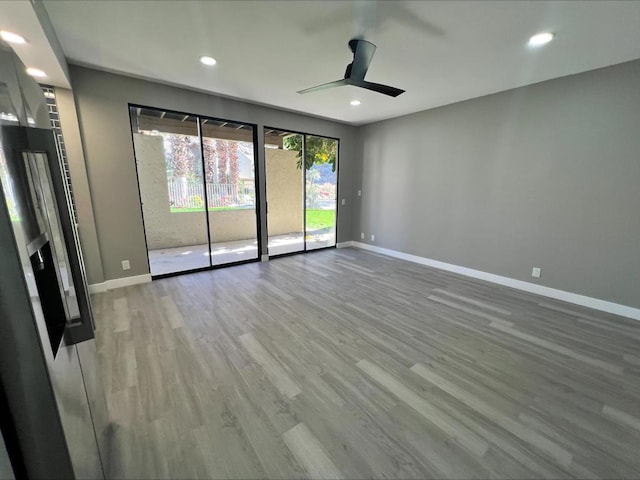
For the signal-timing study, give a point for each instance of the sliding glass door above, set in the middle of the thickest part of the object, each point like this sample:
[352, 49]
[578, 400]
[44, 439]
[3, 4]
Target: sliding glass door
[197, 181]
[197, 188]
[301, 178]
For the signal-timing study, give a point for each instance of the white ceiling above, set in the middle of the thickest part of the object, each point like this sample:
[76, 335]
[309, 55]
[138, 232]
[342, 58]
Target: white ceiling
[440, 52]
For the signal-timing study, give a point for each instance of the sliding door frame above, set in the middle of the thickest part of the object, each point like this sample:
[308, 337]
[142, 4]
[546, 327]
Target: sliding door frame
[256, 173]
[304, 192]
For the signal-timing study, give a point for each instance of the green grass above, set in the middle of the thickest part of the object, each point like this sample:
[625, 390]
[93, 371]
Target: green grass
[317, 219]
[201, 209]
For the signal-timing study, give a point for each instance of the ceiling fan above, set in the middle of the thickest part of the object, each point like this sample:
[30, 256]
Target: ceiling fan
[362, 54]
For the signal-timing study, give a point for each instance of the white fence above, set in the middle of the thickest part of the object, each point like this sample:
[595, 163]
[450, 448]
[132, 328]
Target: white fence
[191, 195]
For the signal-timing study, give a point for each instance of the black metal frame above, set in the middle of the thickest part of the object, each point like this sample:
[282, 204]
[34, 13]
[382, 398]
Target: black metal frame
[199, 118]
[206, 196]
[304, 182]
[135, 162]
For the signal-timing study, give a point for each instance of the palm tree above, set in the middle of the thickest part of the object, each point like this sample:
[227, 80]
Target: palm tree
[226, 152]
[181, 160]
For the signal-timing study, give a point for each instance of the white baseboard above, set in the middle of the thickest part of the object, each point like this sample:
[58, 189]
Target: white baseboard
[118, 283]
[590, 302]
[345, 244]
[98, 287]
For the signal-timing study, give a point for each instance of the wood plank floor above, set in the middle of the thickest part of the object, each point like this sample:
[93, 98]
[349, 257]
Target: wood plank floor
[348, 364]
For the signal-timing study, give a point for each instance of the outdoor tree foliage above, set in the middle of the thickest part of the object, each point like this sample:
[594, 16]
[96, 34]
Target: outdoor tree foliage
[319, 150]
[221, 162]
[234, 164]
[221, 159]
[180, 155]
[227, 155]
[209, 145]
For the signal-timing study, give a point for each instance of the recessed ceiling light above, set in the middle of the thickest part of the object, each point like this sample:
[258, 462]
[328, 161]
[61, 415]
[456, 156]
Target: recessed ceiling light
[12, 37]
[355, 103]
[540, 39]
[36, 72]
[208, 60]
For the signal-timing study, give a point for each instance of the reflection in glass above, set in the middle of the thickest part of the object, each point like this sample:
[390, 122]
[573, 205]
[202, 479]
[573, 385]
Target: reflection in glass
[41, 187]
[10, 196]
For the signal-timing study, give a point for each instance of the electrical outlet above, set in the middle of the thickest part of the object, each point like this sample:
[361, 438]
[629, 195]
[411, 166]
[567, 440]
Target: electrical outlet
[373, 238]
[536, 272]
[344, 202]
[362, 236]
[359, 193]
[126, 265]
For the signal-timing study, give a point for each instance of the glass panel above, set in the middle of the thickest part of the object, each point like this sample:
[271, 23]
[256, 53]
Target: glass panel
[285, 191]
[321, 185]
[230, 190]
[167, 147]
[25, 217]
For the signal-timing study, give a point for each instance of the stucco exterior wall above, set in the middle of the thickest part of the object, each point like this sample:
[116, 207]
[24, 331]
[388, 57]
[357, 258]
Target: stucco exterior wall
[284, 192]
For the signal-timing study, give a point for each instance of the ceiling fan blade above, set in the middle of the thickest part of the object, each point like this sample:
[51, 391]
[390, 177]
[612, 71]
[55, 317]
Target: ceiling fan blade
[362, 54]
[324, 86]
[377, 87]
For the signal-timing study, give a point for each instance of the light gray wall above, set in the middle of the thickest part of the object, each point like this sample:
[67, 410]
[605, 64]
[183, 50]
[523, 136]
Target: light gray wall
[80, 184]
[101, 101]
[547, 175]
